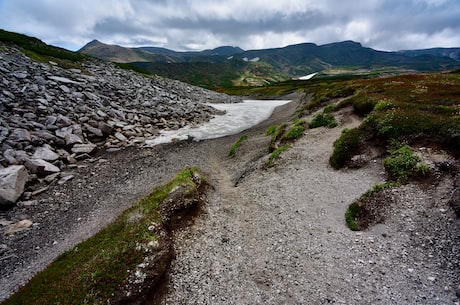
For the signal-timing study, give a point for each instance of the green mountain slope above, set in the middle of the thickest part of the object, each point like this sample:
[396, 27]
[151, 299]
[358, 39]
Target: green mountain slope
[229, 66]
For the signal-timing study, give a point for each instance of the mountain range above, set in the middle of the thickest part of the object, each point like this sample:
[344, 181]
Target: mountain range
[228, 66]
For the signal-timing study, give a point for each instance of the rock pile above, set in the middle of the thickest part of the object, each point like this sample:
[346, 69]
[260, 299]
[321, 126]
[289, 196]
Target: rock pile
[51, 117]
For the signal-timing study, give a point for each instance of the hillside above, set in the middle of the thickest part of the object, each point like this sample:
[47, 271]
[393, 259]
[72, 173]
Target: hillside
[453, 53]
[348, 194]
[230, 66]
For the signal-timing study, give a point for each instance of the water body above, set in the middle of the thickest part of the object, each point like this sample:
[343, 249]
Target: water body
[238, 117]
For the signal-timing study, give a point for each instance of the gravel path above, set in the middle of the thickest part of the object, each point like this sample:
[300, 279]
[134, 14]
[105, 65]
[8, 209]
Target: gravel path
[279, 237]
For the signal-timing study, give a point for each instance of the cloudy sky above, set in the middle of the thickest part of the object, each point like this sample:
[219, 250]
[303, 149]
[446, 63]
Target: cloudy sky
[250, 24]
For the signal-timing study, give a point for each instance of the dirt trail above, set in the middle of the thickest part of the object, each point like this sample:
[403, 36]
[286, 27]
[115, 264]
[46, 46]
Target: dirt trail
[279, 237]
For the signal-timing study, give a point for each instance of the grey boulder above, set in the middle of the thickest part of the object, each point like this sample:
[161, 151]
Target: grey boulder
[12, 182]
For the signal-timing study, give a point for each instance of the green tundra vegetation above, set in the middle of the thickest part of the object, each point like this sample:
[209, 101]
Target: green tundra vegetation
[398, 112]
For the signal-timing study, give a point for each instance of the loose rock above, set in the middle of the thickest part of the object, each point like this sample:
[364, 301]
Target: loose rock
[12, 182]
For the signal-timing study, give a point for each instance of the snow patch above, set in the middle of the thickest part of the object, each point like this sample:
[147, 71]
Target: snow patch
[307, 77]
[238, 117]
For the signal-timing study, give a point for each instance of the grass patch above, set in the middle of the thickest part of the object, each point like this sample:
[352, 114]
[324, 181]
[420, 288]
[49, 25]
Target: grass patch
[380, 187]
[276, 153]
[422, 169]
[296, 130]
[94, 271]
[237, 144]
[277, 132]
[323, 119]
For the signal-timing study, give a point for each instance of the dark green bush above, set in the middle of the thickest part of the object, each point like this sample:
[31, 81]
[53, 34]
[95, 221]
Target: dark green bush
[345, 147]
[363, 105]
[352, 216]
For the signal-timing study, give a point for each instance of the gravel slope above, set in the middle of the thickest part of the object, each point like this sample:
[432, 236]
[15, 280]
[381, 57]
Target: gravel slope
[279, 237]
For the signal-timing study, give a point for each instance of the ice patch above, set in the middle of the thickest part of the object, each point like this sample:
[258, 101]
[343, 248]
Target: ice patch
[238, 117]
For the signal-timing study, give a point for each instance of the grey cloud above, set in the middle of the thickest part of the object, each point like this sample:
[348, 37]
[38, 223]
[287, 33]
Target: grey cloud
[384, 24]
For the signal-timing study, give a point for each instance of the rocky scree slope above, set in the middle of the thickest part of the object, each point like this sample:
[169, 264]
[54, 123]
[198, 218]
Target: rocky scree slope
[51, 117]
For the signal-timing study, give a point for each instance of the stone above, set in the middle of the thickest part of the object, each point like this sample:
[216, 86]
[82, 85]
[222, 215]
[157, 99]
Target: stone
[105, 128]
[95, 131]
[3, 249]
[19, 227]
[63, 180]
[63, 80]
[63, 132]
[3, 133]
[120, 136]
[19, 135]
[10, 156]
[12, 182]
[63, 121]
[45, 135]
[45, 153]
[52, 177]
[41, 167]
[83, 148]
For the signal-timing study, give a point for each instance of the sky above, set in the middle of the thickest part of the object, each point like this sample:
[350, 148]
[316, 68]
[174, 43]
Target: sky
[185, 25]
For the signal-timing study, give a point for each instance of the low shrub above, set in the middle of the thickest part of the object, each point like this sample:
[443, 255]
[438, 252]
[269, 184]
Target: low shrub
[352, 216]
[401, 163]
[323, 119]
[380, 187]
[345, 147]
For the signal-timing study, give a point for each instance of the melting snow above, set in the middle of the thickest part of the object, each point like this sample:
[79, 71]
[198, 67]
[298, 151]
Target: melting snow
[306, 77]
[238, 117]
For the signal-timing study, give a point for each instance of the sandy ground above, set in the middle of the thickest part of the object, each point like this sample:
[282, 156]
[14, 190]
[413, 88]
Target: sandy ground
[269, 236]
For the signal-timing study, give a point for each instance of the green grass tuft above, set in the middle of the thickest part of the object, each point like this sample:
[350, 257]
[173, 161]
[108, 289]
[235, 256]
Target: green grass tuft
[297, 129]
[238, 143]
[276, 153]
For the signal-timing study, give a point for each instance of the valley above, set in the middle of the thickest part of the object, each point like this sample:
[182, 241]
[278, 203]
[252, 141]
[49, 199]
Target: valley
[349, 193]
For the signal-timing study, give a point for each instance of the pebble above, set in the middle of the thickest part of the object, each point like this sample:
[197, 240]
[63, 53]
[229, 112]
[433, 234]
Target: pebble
[19, 227]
